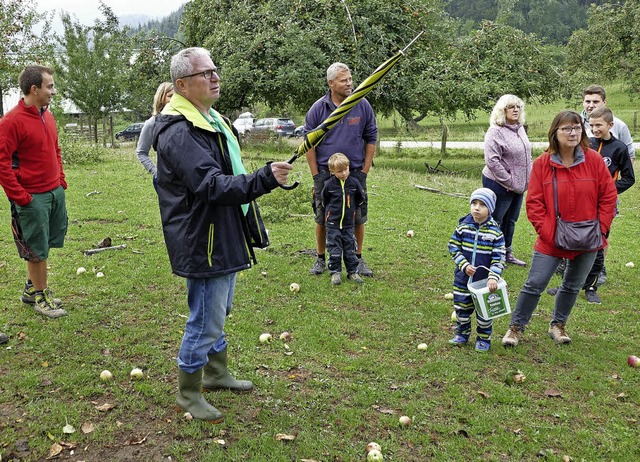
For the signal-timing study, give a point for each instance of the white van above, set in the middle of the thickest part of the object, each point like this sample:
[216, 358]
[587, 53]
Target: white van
[244, 123]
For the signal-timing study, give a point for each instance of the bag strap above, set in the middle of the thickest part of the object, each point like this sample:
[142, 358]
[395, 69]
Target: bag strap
[555, 192]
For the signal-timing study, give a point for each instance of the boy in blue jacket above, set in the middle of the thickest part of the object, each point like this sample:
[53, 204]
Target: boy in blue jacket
[342, 195]
[477, 241]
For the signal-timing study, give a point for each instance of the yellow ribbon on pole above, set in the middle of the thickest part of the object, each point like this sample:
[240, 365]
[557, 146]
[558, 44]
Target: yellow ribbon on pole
[315, 137]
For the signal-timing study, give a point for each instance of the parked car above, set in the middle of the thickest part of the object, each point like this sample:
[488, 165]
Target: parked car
[244, 123]
[299, 131]
[281, 126]
[131, 133]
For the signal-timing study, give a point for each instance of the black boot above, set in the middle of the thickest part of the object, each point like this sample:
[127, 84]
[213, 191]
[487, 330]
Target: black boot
[217, 376]
[190, 398]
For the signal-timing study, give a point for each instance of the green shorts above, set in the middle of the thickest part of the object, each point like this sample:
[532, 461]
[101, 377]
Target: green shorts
[40, 225]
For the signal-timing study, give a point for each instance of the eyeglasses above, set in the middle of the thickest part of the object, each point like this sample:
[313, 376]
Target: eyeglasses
[569, 130]
[206, 74]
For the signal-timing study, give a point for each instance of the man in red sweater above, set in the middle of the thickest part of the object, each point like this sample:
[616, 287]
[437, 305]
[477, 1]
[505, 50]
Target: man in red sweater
[32, 177]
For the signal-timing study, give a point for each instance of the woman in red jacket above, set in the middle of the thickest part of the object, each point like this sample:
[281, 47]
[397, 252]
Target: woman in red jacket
[585, 192]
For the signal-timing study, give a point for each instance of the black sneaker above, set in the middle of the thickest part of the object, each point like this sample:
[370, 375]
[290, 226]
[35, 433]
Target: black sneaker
[592, 297]
[29, 295]
[363, 269]
[318, 267]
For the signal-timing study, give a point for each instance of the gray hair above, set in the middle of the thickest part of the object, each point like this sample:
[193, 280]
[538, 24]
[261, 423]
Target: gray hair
[181, 62]
[498, 116]
[335, 69]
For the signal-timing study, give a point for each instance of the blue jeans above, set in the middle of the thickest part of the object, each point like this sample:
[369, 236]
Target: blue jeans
[508, 205]
[209, 304]
[542, 268]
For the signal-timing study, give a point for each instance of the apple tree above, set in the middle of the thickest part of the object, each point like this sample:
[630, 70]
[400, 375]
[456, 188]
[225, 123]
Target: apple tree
[25, 38]
[94, 64]
[609, 48]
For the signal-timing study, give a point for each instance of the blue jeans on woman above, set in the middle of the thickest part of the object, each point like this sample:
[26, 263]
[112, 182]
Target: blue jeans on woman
[508, 205]
[209, 304]
[542, 268]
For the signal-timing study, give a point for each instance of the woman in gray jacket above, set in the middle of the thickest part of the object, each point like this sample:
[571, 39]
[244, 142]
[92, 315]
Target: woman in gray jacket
[161, 98]
[507, 157]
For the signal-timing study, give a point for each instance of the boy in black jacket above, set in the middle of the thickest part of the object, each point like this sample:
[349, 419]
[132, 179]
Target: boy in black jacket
[341, 196]
[616, 157]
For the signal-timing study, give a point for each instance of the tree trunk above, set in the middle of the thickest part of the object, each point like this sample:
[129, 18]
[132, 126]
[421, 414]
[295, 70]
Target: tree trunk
[443, 140]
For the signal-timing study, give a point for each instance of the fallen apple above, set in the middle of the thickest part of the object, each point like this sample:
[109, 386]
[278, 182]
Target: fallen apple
[514, 376]
[410, 233]
[448, 296]
[630, 265]
[633, 361]
[405, 421]
[454, 318]
[136, 373]
[81, 270]
[99, 274]
[286, 336]
[106, 375]
[265, 338]
[294, 287]
[373, 446]
[374, 455]
[422, 346]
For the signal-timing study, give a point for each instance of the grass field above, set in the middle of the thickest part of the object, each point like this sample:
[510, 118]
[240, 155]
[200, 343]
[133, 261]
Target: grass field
[351, 368]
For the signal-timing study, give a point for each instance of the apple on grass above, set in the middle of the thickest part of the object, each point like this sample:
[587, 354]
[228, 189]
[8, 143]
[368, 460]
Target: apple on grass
[265, 338]
[405, 421]
[373, 446]
[374, 455]
[633, 361]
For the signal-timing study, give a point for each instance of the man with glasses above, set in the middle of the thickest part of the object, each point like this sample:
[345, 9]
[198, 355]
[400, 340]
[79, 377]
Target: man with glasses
[203, 190]
[355, 136]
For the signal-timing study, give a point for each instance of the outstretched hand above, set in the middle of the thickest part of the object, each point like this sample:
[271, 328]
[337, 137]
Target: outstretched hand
[280, 171]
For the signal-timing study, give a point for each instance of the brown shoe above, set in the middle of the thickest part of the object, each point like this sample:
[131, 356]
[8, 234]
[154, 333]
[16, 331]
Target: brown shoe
[558, 334]
[512, 337]
[511, 259]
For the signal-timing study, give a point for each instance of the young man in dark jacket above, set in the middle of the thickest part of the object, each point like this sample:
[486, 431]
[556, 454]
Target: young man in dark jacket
[616, 157]
[203, 191]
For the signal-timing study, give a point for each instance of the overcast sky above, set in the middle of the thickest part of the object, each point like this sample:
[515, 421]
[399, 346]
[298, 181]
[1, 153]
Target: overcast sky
[87, 10]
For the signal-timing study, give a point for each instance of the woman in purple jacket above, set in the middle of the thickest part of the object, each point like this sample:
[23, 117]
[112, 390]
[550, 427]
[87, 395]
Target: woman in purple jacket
[507, 157]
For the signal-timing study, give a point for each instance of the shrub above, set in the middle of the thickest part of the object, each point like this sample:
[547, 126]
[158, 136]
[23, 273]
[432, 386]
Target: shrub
[76, 150]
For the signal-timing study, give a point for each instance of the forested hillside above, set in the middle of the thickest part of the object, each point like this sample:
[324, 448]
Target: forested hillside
[552, 20]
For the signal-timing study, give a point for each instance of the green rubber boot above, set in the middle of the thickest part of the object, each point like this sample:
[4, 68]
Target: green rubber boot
[190, 398]
[217, 376]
